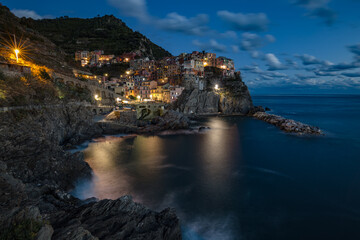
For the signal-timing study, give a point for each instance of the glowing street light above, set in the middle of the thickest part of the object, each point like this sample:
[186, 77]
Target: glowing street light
[138, 97]
[216, 87]
[17, 51]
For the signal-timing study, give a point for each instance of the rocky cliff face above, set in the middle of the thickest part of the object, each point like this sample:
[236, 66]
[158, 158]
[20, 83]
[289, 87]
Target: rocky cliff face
[232, 97]
[36, 173]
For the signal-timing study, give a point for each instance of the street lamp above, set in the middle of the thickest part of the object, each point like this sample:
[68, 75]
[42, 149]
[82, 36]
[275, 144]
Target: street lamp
[17, 51]
[216, 87]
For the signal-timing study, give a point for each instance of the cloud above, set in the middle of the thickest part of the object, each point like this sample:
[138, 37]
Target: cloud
[229, 34]
[245, 22]
[318, 8]
[354, 74]
[273, 62]
[328, 15]
[270, 38]
[304, 77]
[175, 22]
[324, 74]
[251, 42]
[311, 60]
[265, 75]
[172, 22]
[132, 8]
[341, 67]
[355, 49]
[27, 13]
[211, 45]
[312, 4]
[235, 48]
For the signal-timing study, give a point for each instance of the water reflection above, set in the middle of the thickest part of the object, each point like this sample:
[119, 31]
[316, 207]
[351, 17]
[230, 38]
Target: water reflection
[125, 165]
[240, 180]
[217, 156]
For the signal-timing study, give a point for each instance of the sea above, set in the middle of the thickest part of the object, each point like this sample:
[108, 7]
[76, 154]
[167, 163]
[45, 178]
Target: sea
[244, 178]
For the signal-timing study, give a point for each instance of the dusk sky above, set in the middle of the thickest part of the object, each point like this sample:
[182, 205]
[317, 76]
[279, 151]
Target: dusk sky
[281, 46]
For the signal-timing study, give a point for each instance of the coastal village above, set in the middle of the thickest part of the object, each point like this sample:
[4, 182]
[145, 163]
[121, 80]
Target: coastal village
[148, 80]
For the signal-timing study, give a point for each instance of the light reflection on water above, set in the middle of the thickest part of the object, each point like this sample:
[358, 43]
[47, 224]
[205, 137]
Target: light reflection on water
[217, 159]
[243, 179]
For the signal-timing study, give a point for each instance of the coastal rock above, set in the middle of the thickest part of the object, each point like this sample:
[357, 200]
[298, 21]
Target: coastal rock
[36, 175]
[126, 122]
[232, 98]
[45, 233]
[288, 125]
[117, 219]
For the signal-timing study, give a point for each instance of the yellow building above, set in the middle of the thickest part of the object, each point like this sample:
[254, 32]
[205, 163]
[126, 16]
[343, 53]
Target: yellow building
[157, 94]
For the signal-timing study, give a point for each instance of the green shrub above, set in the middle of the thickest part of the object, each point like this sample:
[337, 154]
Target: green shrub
[23, 230]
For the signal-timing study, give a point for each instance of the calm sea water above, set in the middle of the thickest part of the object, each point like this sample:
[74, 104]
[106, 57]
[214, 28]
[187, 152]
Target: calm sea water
[245, 179]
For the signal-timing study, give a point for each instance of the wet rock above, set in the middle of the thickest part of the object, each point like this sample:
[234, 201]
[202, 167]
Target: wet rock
[117, 219]
[45, 233]
[288, 125]
[256, 109]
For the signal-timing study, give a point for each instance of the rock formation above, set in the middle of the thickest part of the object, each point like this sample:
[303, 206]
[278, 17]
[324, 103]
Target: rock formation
[288, 125]
[126, 122]
[36, 175]
[232, 97]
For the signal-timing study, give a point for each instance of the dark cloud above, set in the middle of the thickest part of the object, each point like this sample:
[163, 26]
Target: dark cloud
[252, 42]
[355, 49]
[304, 77]
[211, 45]
[324, 74]
[265, 75]
[328, 15]
[311, 60]
[354, 74]
[245, 22]
[319, 9]
[341, 67]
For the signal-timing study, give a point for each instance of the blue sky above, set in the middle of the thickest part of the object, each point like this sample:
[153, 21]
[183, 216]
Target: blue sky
[281, 46]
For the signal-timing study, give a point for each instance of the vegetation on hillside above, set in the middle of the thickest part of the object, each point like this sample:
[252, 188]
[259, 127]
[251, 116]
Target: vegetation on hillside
[106, 33]
[37, 89]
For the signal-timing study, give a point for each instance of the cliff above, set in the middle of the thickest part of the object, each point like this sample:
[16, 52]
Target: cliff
[231, 97]
[36, 174]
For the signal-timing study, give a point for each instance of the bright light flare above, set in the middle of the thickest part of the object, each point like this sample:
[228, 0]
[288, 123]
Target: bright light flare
[17, 55]
[216, 87]
[16, 48]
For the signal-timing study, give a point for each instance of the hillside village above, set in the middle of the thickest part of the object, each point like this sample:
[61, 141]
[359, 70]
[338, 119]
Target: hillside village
[156, 80]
